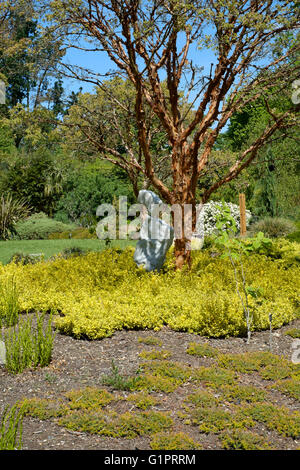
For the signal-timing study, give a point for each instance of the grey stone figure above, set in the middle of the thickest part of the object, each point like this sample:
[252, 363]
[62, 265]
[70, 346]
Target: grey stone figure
[156, 236]
[2, 353]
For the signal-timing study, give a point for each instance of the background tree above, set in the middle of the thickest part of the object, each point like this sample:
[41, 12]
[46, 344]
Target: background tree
[85, 189]
[273, 187]
[31, 129]
[149, 40]
[264, 197]
[18, 28]
[102, 125]
[29, 52]
[36, 178]
[57, 94]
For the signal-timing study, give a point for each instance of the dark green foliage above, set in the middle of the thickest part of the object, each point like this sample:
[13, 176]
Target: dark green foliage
[57, 98]
[16, 67]
[39, 227]
[84, 191]
[11, 211]
[28, 177]
[72, 99]
[22, 258]
[6, 139]
[264, 197]
[72, 251]
[239, 130]
[294, 236]
[272, 183]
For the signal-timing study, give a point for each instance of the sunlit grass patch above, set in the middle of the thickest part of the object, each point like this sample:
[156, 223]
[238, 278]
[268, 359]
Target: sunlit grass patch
[214, 419]
[118, 381]
[127, 425]
[28, 345]
[214, 376]
[11, 428]
[206, 410]
[290, 387]
[201, 350]
[248, 362]
[203, 398]
[242, 393]
[174, 441]
[282, 370]
[279, 419]
[89, 398]
[143, 400]
[293, 332]
[150, 340]
[169, 369]
[156, 354]
[43, 408]
[156, 383]
[269, 366]
[238, 439]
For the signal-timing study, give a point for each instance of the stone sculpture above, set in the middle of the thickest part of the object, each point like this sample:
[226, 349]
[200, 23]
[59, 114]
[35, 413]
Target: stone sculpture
[2, 353]
[156, 236]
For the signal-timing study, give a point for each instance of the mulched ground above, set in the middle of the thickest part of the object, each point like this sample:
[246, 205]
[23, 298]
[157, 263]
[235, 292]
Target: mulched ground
[80, 363]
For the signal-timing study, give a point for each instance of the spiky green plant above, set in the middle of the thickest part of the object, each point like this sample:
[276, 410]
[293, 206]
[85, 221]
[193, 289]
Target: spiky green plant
[11, 426]
[29, 346]
[9, 302]
[11, 210]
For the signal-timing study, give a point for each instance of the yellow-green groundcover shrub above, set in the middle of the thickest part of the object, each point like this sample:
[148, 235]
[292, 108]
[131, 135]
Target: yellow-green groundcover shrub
[99, 293]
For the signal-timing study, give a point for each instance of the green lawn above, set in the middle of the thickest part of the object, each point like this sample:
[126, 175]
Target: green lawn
[52, 247]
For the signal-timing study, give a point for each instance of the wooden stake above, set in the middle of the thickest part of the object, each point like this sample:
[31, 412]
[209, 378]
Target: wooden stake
[243, 229]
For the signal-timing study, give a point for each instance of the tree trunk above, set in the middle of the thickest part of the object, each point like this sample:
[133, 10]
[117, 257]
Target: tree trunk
[182, 249]
[182, 253]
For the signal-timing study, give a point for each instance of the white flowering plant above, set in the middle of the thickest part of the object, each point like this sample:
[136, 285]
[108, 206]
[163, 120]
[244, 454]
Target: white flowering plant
[210, 212]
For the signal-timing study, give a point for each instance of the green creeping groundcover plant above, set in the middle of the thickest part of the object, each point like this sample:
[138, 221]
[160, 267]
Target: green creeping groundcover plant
[207, 401]
[94, 295]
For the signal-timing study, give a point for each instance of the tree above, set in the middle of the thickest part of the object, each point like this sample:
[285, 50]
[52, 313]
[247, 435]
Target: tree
[18, 28]
[103, 125]
[150, 40]
[85, 190]
[72, 99]
[57, 98]
[29, 52]
[273, 181]
[38, 179]
[265, 200]
[31, 129]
